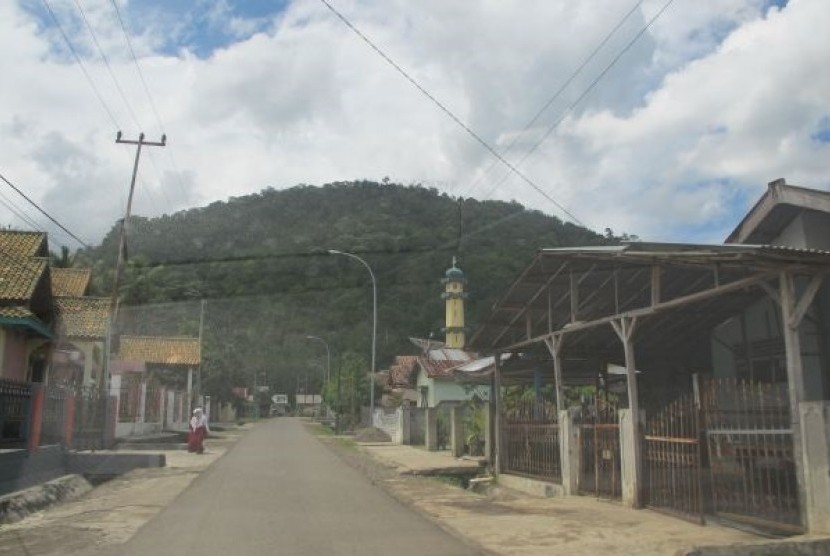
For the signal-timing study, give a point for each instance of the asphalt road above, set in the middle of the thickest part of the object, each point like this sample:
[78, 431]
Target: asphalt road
[280, 491]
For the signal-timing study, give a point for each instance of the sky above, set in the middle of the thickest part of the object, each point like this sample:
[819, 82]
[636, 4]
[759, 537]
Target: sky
[671, 138]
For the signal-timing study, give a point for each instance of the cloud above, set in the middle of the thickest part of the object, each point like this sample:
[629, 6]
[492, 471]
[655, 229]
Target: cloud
[715, 100]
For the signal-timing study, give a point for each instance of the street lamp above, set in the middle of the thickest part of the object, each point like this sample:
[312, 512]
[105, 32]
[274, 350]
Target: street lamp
[374, 324]
[328, 355]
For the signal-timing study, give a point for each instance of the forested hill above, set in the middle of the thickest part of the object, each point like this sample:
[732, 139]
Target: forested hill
[261, 262]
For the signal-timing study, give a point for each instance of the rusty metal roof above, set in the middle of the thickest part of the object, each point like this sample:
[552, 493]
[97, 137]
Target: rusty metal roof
[161, 350]
[540, 303]
[23, 244]
[440, 362]
[70, 282]
[82, 317]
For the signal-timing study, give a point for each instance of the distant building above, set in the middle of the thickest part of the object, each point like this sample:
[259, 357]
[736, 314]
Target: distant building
[428, 379]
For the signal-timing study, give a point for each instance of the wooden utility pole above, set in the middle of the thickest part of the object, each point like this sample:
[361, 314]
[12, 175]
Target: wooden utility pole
[122, 240]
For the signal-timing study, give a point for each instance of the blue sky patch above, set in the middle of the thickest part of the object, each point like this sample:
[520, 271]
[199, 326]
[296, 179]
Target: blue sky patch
[822, 132]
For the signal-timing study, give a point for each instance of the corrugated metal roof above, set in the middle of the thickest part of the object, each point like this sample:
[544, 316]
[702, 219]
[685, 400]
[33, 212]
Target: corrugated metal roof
[440, 362]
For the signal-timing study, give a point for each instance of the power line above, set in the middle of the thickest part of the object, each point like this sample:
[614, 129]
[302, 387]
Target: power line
[450, 114]
[46, 214]
[81, 64]
[120, 90]
[159, 121]
[18, 212]
[107, 64]
[585, 93]
[137, 67]
[559, 91]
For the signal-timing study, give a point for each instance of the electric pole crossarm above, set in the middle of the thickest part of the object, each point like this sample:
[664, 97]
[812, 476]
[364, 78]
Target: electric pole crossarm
[141, 141]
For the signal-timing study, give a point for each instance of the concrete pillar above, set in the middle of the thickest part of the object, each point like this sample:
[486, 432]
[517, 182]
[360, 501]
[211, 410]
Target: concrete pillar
[406, 424]
[630, 475]
[35, 416]
[69, 420]
[497, 432]
[815, 458]
[488, 434]
[142, 403]
[189, 391]
[432, 429]
[457, 431]
[569, 450]
[171, 407]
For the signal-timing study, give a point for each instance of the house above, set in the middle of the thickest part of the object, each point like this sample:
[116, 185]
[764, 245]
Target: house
[427, 379]
[400, 381]
[26, 311]
[147, 375]
[724, 352]
[81, 329]
[435, 377]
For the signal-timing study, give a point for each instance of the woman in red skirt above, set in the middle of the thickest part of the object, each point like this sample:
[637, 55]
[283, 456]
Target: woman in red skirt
[198, 431]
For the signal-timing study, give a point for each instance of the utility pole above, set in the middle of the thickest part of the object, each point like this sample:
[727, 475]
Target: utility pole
[122, 241]
[111, 329]
[201, 329]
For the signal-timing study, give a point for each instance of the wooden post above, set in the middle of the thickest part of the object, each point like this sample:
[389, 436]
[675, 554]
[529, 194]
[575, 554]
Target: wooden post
[792, 313]
[498, 417]
[554, 345]
[625, 330]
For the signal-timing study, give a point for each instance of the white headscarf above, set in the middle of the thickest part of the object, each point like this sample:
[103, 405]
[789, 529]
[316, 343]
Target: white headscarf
[198, 420]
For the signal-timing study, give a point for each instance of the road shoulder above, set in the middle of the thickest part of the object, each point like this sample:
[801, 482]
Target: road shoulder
[111, 513]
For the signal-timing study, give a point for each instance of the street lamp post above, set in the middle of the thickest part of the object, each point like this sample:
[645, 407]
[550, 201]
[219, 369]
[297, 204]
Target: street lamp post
[328, 355]
[374, 324]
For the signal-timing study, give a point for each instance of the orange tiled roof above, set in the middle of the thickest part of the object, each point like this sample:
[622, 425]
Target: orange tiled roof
[82, 317]
[19, 277]
[161, 350]
[400, 372]
[70, 282]
[23, 244]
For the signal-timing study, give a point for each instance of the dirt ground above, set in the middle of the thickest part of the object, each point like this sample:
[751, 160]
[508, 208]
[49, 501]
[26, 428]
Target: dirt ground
[112, 512]
[502, 522]
[511, 523]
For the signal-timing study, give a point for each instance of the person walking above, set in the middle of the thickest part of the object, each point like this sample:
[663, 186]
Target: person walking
[198, 431]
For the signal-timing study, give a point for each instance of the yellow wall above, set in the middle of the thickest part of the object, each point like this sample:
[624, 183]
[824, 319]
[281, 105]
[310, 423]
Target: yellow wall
[455, 316]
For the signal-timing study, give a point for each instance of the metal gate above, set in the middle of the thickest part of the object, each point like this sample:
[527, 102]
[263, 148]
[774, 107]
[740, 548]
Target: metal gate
[91, 408]
[531, 440]
[673, 460]
[417, 426]
[443, 423]
[599, 440]
[15, 409]
[751, 454]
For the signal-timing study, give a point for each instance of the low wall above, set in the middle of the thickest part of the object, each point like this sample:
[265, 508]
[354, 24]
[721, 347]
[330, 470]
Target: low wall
[123, 430]
[390, 423]
[91, 464]
[534, 487]
[16, 506]
[20, 469]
